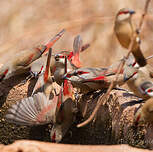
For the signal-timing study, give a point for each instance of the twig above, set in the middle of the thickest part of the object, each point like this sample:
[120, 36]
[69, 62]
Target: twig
[143, 15]
[149, 57]
[103, 99]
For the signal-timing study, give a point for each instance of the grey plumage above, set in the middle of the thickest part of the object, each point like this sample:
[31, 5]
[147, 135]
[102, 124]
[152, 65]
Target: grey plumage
[32, 111]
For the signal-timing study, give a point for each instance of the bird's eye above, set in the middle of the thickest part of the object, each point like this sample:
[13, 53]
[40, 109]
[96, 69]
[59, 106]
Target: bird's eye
[61, 56]
[80, 72]
[150, 90]
[3, 75]
[68, 75]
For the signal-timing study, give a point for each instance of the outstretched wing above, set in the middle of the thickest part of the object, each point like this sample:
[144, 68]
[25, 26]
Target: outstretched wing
[31, 111]
[43, 79]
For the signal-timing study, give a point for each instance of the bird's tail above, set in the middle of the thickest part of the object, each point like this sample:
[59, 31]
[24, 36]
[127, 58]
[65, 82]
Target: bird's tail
[77, 47]
[139, 57]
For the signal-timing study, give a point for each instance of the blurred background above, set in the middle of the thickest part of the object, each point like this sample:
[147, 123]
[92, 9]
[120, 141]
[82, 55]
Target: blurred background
[27, 23]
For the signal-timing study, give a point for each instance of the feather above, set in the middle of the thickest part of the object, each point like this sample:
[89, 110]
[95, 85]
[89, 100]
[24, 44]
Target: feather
[34, 110]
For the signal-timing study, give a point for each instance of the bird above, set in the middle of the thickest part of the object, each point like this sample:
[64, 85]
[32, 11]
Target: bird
[91, 79]
[40, 107]
[65, 114]
[60, 111]
[145, 113]
[73, 61]
[45, 80]
[22, 61]
[124, 30]
[141, 83]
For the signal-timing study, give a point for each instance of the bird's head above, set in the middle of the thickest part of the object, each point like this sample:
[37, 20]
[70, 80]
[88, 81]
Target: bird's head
[124, 14]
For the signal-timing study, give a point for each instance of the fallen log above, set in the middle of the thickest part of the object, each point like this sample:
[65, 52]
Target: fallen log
[113, 123]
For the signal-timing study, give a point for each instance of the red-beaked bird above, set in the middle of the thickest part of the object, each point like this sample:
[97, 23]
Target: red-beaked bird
[21, 62]
[90, 79]
[39, 108]
[124, 30]
[145, 113]
[65, 114]
[73, 61]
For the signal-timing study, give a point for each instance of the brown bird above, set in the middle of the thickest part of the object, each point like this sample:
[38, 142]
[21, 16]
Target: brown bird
[65, 112]
[73, 61]
[21, 62]
[124, 30]
[91, 79]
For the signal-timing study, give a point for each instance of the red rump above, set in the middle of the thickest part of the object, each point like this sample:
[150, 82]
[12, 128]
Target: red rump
[53, 137]
[76, 60]
[66, 88]
[50, 44]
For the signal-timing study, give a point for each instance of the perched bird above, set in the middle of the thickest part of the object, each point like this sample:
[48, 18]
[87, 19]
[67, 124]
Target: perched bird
[90, 79]
[21, 62]
[124, 30]
[144, 113]
[73, 61]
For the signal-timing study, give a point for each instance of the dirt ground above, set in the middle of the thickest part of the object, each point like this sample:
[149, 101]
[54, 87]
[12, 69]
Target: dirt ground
[25, 24]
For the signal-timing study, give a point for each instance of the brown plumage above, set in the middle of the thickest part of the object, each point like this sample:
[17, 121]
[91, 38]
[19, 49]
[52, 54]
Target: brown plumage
[124, 30]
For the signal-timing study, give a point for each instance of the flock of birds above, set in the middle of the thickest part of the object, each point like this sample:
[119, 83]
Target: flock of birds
[61, 78]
